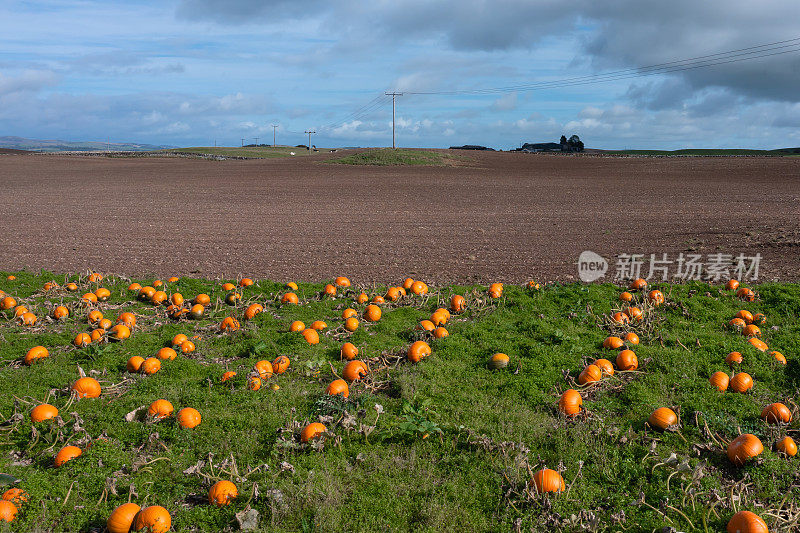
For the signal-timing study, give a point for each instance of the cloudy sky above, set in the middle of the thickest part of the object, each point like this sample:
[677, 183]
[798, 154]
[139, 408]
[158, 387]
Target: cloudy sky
[192, 72]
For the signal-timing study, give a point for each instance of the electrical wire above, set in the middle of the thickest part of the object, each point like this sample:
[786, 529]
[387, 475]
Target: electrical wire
[732, 56]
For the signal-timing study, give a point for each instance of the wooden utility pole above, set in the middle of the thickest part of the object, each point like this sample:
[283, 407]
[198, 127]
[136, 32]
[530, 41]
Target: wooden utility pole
[393, 95]
[274, 127]
[309, 138]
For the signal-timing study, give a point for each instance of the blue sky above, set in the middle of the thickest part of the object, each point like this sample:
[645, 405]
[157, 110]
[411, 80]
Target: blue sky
[192, 72]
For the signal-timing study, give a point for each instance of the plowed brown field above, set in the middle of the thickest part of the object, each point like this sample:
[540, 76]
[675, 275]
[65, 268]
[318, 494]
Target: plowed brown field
[500, 217]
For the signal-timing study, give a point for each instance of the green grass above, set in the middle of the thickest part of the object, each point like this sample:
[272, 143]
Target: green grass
[484, 428]
[260, 152]
[394, 157]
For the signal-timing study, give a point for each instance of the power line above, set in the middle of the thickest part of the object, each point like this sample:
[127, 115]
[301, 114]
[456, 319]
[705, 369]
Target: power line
[721, 58]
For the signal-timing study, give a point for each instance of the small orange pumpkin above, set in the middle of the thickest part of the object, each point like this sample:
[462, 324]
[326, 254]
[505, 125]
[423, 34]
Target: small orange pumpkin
[662, 418]
[743, 448]
[280, 364]
[150, 366]
[43, 412]
[720, 380]
[312, 431]
[153, 519]
[372, 313]
[160, 409]
[121, 519]
[776, 413]
[67, 453]
[222, 492]
[626, 360]
[734, 358]
[264, 369]
[297, 325]
[86, 387]
[418, 351]
[590, 374]
[311, 336]
[613, 343]
[348, 351]
[354, 370]
[189, 418]
[338, 386]
[570, 402]
[741, 382]
[786, 445]
[546, 480]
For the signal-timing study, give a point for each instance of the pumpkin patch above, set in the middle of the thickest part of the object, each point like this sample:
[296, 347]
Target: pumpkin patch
[261, 396]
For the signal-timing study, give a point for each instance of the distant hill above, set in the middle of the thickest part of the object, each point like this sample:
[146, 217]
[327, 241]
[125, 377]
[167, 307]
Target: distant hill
[21, 143]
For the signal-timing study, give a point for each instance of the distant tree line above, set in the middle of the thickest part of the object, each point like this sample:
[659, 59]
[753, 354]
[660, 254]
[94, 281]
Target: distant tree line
[573, 144]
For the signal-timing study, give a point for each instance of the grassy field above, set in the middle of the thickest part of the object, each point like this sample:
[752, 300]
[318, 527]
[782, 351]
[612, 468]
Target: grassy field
[260, 152]
[442, 445]
[400, 156]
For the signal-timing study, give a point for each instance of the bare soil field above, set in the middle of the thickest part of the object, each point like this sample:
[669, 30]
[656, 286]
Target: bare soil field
[498, 217]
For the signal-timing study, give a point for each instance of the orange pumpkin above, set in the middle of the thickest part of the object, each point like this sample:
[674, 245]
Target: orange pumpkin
[419, 288]
[81, 340]
[7, 303]
[60, 312]
[632, 338]
[746, 294]
[778, 357]
[120, 332]
[458, 304]
[613, 343]
[743, 448]
[280, 364]
[189, 418]
[786, 445]
[153, 519]
[290, 298]
[372, 313]
[8, 511]
[329, 290]
[264, 369]
[15, 495]
[620, 318]
[662, 418]
[734, 358]
[546, 480]
[253, 383]
[102, 294]
[746, 522]
[745, 315]
[150, 366]
[187, 347]
[737, 324]
[227, 375]
[758, 344]
[134, 287]
[292, 285]
[245, 282]
[418, 351]
[732, 285]
[311, 336]
[36, 353]
[134, 364]
[498, 361]
[86, 388]
[160, 409]
[348, 351]
[342, 281]
[638, 284]
[570, 402]
[67, 453]
[605, 366]
[656, 298]
[625, 297]
[43, 412]
[351, 324]
[338, 387]
[121, 519]
[229, 324]
[741, 382]
[590, 374]
[626, 360]
[297, 325]
[221, 493]
[312, 431]
[202, 299]
[440, 333]
[776, 413]
[720, 380]
[354, 370]
[127, 319]
[635, 313]
[362, 298]
[426, 325]
[751, 330]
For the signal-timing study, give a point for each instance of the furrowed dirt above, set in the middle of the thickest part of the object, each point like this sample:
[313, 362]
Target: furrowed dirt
[498, 217]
